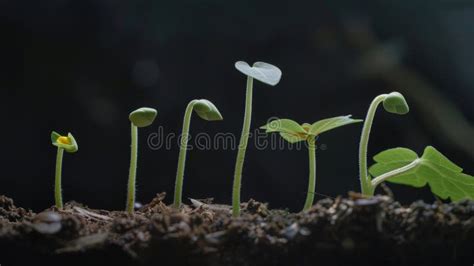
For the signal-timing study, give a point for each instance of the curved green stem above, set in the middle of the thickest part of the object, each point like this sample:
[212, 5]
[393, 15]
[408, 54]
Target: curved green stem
[133, 170]
[365, 181]
[312, 174]
[178, 187]
[58, 198]
[239, 163]
[381, 178]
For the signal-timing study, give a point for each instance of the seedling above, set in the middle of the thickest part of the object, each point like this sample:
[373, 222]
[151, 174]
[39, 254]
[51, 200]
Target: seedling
[293, 132]
[393, 103]
[403, 166]
[207, 111]
[268, 74]
[63, 143]
[141, 117]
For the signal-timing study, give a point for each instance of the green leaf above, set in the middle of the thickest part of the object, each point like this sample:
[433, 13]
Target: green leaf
[264, 72]
[207, 110]
[331, 123]
[143, 117]
[285, 126]
[54, 136]
[396, 103]
[445, 178]
[73, 147]
[292, 138]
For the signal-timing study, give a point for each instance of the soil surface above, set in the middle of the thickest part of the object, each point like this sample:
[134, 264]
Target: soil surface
[342, 231]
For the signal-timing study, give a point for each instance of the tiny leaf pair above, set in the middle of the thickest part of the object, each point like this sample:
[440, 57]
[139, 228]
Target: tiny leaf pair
[403, 166]
[64, 143]
[293, 132]
[207, 111]
[268, 74]
[141, 117]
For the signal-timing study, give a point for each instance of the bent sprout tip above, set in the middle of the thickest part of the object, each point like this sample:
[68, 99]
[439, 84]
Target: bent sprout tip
[207, 111]
[395, 103]
[143, 117]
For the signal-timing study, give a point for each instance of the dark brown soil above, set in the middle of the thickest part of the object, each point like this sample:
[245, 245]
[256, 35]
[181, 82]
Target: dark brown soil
[343, 231]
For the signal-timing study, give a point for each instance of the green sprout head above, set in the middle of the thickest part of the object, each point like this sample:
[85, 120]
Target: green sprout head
[63, 143]
[294, 132]
[268, 74]
[141, 117]
[207, 111]
[393, 103]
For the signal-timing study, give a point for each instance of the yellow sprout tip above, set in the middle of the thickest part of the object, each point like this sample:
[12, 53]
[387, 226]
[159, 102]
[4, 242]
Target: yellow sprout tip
[64, 140]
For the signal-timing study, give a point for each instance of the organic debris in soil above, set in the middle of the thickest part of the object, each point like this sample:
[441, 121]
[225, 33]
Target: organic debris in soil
[335, 231]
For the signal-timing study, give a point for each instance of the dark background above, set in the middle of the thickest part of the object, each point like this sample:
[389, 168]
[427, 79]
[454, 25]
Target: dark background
[82, 66]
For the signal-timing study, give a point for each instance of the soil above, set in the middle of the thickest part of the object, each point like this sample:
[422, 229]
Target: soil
[341, 231]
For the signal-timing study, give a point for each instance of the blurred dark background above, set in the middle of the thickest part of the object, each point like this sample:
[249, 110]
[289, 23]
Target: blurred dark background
[82, 66]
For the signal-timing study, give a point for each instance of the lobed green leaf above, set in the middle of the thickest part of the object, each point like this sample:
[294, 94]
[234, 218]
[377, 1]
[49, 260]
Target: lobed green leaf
[445, 178]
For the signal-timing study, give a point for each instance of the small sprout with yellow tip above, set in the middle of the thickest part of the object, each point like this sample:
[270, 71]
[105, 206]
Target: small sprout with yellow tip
[63, 143]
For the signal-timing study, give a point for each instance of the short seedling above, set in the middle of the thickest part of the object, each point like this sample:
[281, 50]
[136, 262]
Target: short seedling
[63, 143]
[268, 74]
[293, 132]
[394, 103]
[141, 117]
[403, 166]
[207, 111]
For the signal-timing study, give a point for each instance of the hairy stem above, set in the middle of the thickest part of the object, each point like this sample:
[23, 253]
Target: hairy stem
[239, 163]
[178, 187]
[133, 170]
[58, 197]
[312, 174]
[381, 178]
[365, 181]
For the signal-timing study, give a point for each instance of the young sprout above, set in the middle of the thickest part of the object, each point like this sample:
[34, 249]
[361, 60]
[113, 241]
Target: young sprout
[393, 103]
[268, 74]
[141, 117]
[292, 132]
[64, 143]
[207, 111]
[403, 166]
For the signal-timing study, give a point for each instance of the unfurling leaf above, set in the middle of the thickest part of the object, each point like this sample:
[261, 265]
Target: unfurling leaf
[331, 123]
[445, 178]
[264, 72]
[285, 126]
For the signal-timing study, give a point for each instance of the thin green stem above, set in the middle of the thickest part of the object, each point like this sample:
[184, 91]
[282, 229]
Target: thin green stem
[178, 187]
[133, 170]
[312, 174]
[365, 181]
[381, 178]
[244, 138]
[58, 197]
